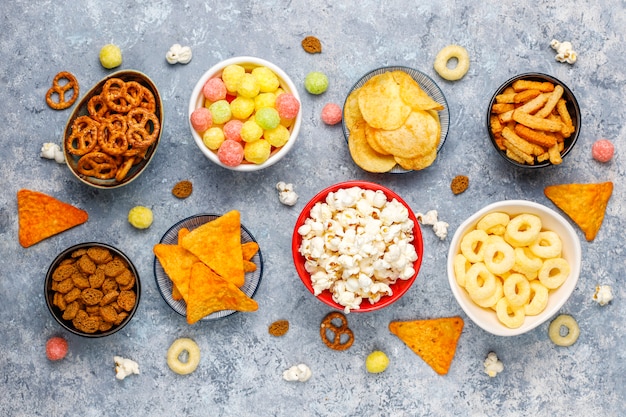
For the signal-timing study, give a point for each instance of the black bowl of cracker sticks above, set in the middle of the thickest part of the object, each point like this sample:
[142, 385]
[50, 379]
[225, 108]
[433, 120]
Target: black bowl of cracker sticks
[533, 120]
[92, 289]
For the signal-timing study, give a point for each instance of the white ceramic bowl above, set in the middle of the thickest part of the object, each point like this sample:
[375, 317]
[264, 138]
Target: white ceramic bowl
[248, 62]
[551, 220]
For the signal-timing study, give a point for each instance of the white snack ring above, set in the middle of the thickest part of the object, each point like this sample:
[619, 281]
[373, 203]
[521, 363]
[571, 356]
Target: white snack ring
[538, 299]
[554, 272]
[573, 331]
[522, 230]
[509, 316]
[517, 290]
[176, 349]
[548, 245]
[445, 55]
[473, 245]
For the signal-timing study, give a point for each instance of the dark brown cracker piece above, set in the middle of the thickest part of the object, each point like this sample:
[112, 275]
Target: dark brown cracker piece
[459, 184]
[182, 189]
[279, 328]
[312, 45]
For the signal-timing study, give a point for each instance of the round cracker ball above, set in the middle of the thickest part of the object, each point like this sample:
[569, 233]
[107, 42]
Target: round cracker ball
[56, 348]
[251, 131]
[248, 86]
[267, 118]
[140, 217]
[231, 75]
[602, 150]
[232, 130]
[278, 136]
[316, 82]
[268, 81]
[110, 56]
[257, 152]
[376, 362]
[230, 153]
[287, 105]
[242, 107]
[201, 119]
[214, 89]
[331, 114]
[220, 110]
[213, 138]
[265, 100]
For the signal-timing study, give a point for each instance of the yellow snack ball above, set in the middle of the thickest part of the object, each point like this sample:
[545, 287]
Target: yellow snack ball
[268, 81]
[213, 138]
[242, 107]
[257, 152]
[376, 362]
[140, 217]
[110, 56]
[231, 75]
[248, 86]
[251, 131]
[264, 100]
[277, 137]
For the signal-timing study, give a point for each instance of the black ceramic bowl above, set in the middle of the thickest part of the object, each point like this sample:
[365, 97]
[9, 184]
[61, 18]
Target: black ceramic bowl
[572, 107]
[88, 284]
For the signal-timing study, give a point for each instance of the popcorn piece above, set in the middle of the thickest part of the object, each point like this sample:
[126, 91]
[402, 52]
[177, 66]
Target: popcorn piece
[603, 294]
[178, 54]
[52, 151]
[125, 367]
[300, 373]
[430, 218]
[286, 194]
[564, 51]
[493, 366]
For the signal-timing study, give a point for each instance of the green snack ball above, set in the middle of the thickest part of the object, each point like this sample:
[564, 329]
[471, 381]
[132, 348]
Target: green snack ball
[267, 118]
[140, 217]
[110, 56]
[316, 82]
[220, 111]
[376, 362]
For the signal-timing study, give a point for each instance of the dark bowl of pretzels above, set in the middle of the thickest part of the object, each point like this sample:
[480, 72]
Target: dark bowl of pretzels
[114, 131]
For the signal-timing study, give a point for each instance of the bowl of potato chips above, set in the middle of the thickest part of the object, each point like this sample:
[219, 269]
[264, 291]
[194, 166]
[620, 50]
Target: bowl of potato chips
[395, 120]
[512, 265]
[533, 120]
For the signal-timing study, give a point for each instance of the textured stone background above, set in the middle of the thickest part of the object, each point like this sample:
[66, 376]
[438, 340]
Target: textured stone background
[241, 366]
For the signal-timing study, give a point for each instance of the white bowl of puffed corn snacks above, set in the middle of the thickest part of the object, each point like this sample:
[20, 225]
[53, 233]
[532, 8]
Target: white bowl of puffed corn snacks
[512, 265]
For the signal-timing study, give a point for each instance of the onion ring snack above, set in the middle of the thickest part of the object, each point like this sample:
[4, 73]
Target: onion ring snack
[570, 324]
[180, 346]
[446, 54]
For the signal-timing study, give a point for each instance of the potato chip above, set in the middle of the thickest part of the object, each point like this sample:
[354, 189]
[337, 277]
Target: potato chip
[176, 262]
[585, 204]
[351, 112]
[218, 244]
[209, 292]
[372, 141]
[434, 340]
[41, 216]
[381, 104]
[416, 164]
[364, 155]
[416, 137]
[412, 94]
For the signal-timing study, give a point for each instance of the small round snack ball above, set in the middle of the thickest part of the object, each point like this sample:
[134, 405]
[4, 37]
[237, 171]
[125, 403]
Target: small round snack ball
[232, 130]
[251, 131]
[257, 152]
[265, 100]
[602, 150]
[268, 81]
[220, 110]
[242, 107]
[110, 56]
[140, 217]
[376, 362]
[278, 136]
[214, 89]
[287, 105]
[230, 153]
[331, 114]
[213, 138]
[267, 118]
[248, 86]
[231, 75]
[201, 119]
[56, 348]
[316, 82]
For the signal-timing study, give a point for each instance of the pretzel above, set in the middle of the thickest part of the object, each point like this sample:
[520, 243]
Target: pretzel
[97, 164]
[338, 332]
[143, 127]
[61, 89]
[114, 93]
[84, 136]
[97, 108]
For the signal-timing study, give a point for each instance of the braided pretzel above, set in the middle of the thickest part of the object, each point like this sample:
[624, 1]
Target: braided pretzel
[97, 164]
[337, 332]
[84, 136]
[143, 127]
[61, 89]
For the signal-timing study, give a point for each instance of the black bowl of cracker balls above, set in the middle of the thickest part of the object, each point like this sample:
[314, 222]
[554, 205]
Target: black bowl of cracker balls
[92, 289]
[533, 120]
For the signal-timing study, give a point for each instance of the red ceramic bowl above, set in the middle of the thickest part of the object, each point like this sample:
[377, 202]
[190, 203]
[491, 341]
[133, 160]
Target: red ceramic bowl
[399, 288]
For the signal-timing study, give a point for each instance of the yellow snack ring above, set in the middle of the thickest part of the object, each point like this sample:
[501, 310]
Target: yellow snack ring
[538, 299]
[473, 245]
[554, 272]
[140, 217]
[516, 290]
[480, 283]
[573, 331]
[511, 317]
[376, 362]
[110, 56]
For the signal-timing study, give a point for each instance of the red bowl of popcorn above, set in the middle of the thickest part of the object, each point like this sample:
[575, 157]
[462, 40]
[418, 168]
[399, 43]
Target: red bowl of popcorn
[357, 246]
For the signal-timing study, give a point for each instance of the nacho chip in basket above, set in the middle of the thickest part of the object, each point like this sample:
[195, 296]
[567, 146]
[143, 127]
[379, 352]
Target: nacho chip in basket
[209, 292]
[41, 216]
[585, 204]
[218, 244]
[434, 340]
[249, 249]
[177, 263]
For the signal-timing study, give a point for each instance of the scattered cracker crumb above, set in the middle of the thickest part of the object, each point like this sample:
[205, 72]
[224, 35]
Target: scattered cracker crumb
[459, 184]
[312, 45]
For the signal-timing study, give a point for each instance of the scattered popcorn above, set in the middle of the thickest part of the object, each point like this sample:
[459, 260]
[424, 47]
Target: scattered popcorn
[564, 51]
[430, 218]
[603, 294]
[493, 366]
[300, 373]
[125, 367]
[178, 54]
[286, 194]
[52, 151]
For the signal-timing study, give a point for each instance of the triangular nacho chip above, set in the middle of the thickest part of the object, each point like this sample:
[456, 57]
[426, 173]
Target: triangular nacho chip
[41, 216]
[209, 292]
[176, 262]
[434, 340]
[585, 204]
[249, 249]
[218, 244]
[176, 295]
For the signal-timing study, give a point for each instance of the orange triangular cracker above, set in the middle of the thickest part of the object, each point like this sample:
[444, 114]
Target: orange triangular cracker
[585, 204]
[176, 262]
[218, 244]
[41, 216]
[434, 340]
[249, 249]
[209, 292]
[176, 295]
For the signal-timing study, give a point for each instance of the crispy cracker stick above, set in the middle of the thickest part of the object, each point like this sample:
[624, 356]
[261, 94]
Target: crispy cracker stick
[505, 98]
[525, 95]
[498, 108]
[512, 149]
[544, 86]
[561, 108]
[535, 122]
[516, 141]
[535, 136]
[555, 154]
[551, 103]
[535, 104]
[494, 123]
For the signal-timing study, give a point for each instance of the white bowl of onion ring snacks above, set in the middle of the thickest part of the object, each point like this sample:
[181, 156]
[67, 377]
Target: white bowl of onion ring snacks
[512, 265]
[114, 131]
